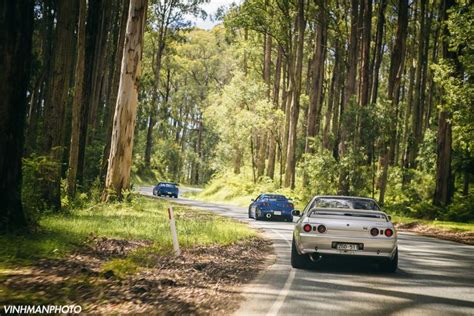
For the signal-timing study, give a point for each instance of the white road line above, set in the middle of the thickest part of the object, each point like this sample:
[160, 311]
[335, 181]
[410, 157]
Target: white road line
[286, 288]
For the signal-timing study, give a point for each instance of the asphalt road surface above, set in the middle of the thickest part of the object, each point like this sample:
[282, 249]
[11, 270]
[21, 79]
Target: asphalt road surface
[435, 277]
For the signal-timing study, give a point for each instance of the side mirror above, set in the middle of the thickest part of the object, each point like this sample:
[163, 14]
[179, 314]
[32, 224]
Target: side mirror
[389, 218]
[252, 200]
[296, 213]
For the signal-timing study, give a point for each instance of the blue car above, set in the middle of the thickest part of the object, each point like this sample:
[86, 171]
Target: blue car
[271, 206]
[167, 189]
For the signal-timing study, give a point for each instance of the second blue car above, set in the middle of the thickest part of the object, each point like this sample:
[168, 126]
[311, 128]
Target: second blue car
[167, 189]
[271, 206]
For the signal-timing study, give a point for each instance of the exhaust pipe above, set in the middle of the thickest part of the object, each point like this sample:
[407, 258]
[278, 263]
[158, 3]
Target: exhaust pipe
[268, 215]
[314, 257]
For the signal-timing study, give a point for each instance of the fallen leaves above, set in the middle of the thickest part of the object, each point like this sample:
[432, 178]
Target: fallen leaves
[203, 280]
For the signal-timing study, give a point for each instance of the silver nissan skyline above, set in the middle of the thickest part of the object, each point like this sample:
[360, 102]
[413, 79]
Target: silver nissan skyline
[344, 226]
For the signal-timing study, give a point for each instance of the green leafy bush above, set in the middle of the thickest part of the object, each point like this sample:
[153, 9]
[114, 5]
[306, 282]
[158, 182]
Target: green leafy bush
[37, 171]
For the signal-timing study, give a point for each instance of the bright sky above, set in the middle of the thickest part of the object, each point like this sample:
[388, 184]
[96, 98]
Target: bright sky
[211, 9]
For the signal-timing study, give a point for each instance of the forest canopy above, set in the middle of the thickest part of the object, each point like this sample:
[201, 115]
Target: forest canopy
[370, 98]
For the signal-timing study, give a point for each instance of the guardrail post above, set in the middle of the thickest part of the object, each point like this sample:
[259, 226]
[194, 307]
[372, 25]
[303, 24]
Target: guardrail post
[174, 235]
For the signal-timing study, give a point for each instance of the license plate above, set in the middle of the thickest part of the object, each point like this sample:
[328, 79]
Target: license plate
[350, 247]
[276, 212]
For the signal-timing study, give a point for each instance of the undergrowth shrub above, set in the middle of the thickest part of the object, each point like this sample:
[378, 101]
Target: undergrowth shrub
[462, 209]
[37, 171]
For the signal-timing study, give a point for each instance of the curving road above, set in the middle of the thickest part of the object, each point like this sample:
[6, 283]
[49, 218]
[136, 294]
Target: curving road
[435, 277]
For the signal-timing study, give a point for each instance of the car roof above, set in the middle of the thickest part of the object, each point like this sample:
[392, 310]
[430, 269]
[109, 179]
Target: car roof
[352, 210]
[167, 183]
[343, 197]
[273, 194]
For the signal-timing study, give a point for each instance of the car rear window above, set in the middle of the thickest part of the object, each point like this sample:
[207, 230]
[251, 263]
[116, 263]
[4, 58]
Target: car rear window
[348, 214]
[276, 198]
[167, 185]
[349, 203]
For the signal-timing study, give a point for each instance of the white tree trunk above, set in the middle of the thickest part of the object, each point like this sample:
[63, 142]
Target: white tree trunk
[120, 158]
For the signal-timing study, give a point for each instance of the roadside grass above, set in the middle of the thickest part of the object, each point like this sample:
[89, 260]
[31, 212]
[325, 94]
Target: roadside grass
[109, 254]
[144, 176]
[446, 225]
[142, 180]
[141, 219]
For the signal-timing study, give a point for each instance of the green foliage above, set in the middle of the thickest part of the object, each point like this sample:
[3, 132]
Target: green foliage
[322, 171]
[93, 163]
[243, 100]
[37, 171]
[462, 209]
[239, 189]
[195, 65]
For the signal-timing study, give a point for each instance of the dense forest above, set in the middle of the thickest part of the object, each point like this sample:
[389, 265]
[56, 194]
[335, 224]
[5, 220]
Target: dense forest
[366, 97]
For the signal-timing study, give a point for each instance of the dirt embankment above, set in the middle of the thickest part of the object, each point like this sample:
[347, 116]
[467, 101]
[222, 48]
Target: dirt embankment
[425, 230]
[203, 280]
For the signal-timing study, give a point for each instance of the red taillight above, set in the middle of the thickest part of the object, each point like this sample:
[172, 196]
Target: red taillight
[388, 232]
[374, 231]
[307, 228]
[322, 229]
[265, 204]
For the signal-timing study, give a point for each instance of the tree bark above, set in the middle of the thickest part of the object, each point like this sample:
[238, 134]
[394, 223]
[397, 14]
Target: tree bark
[162, 33]
[149, 139]
[98, 69]
[98, 15]
[295, 79]
[35, 116]
[276, 97]
[114, 86]
[316, 101]
[408, 112]
[57, 97]
[443, 191]
[394, 81]
[261, 150]
[16, 30]
[378, 50]
[417, 116]
[263, 137]
[333, 98]
[365, 47]
[444, 178]
[120, 159]
[77, 101]
[350, 90]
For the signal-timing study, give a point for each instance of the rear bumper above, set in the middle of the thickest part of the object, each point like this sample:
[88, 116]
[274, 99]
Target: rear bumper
[166, 193]
[271, 214]
[308, 243]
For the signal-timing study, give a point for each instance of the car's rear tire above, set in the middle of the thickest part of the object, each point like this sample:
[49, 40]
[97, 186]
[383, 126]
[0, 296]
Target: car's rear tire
[250, 216]
[391, 265]
[298, 261]
[257, 216]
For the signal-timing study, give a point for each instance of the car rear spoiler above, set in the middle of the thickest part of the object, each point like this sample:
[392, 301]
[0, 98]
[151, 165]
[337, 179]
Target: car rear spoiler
[368, 214]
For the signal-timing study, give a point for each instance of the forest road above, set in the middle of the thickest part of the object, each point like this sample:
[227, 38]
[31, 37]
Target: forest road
[435, 277]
